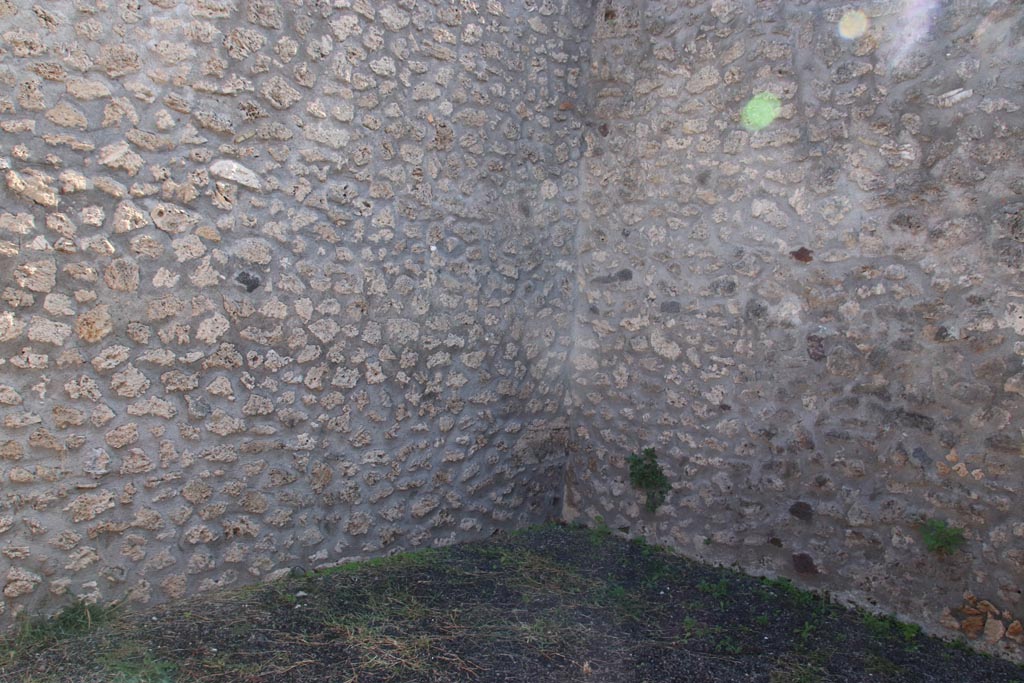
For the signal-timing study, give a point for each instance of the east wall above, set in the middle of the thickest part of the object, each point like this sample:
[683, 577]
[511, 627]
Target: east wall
[800, 259]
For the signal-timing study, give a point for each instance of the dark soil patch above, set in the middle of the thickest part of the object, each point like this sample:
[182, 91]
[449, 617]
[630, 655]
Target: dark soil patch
[549, 604]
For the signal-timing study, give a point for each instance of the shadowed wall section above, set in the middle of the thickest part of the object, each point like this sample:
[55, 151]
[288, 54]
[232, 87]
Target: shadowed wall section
[800, 273]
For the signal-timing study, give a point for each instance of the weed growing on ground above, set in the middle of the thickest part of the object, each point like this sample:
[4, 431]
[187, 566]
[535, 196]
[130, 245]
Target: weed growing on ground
[75, 620]
[132, 663]
[726, 645]
[600, 532]
[805, 632]
[797, 671]
[646, 474]
[121, 660]
[880, 665]
[719, 589]
[886, 627]
[798, 597]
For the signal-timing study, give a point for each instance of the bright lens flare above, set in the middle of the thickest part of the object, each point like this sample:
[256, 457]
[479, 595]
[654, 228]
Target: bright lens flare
[760, 111]
[915, 22]
[853, 25]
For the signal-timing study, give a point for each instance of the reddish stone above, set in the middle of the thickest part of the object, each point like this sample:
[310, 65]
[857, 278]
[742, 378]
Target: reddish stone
[973, 626]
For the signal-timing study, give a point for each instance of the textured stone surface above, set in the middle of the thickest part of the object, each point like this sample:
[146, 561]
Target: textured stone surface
[292, 282]
[287, 284]
[821, 333]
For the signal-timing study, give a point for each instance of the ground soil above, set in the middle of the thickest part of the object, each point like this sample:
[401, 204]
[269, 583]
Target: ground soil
[551, 604]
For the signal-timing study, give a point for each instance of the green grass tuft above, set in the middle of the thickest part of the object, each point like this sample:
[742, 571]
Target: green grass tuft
[74, 620]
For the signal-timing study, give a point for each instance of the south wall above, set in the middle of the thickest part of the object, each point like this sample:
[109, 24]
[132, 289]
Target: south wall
[814, 311]
[282, 283]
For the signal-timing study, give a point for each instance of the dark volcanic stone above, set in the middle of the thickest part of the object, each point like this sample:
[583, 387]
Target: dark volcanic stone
[756, 310]
[624, 275]
[248, 280]
[1005, 443]
[671, 307]
[904, 418]
[723, 286]
[803, 255]
[804, 564]
[816, 347]
[802, 510]
[198, 408]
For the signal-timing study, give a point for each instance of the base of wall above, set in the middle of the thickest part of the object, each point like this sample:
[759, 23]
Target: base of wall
[978, 622]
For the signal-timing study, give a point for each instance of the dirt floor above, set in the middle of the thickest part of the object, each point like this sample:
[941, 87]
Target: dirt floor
[550, 604]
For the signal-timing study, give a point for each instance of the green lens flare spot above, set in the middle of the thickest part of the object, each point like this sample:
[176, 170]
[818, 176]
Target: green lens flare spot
[760, 111]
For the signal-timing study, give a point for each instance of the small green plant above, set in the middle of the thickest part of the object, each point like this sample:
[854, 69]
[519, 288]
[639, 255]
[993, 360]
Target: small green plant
[76, 619]
[616, 593]
[805, 632]
[887, 627]
[798, 670]
[877, 664]
[647, 475]
[877, 626]
[726, 645]
[909, 632]
[939, 537]
[131, 663]
[600, 532]
[719, 589]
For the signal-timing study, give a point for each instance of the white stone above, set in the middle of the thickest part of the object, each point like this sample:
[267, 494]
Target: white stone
[1014, 317]
[213, 328]
[18, 224]
[129, 382]
[663, 346]
[34, 186]
[48, 331]
[10, 326]
[37, 276]
[236, 172]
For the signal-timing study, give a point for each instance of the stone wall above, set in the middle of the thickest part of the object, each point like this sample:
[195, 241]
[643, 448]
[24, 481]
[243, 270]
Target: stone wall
[800, 262]
[290, 282]
[284, 282]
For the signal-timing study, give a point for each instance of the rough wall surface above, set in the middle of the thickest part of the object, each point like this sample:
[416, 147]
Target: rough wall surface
[287, 282]
[814, 311]
[284, 282]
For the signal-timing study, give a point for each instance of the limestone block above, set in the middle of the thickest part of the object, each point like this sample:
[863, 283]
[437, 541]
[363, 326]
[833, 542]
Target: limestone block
[95, 324]
[20, 582]
[236, 172]
[122, 436]
[122, 275]
[90, 505]
[47, 331]
[67, 116]
[279, 93]
[33, 186]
